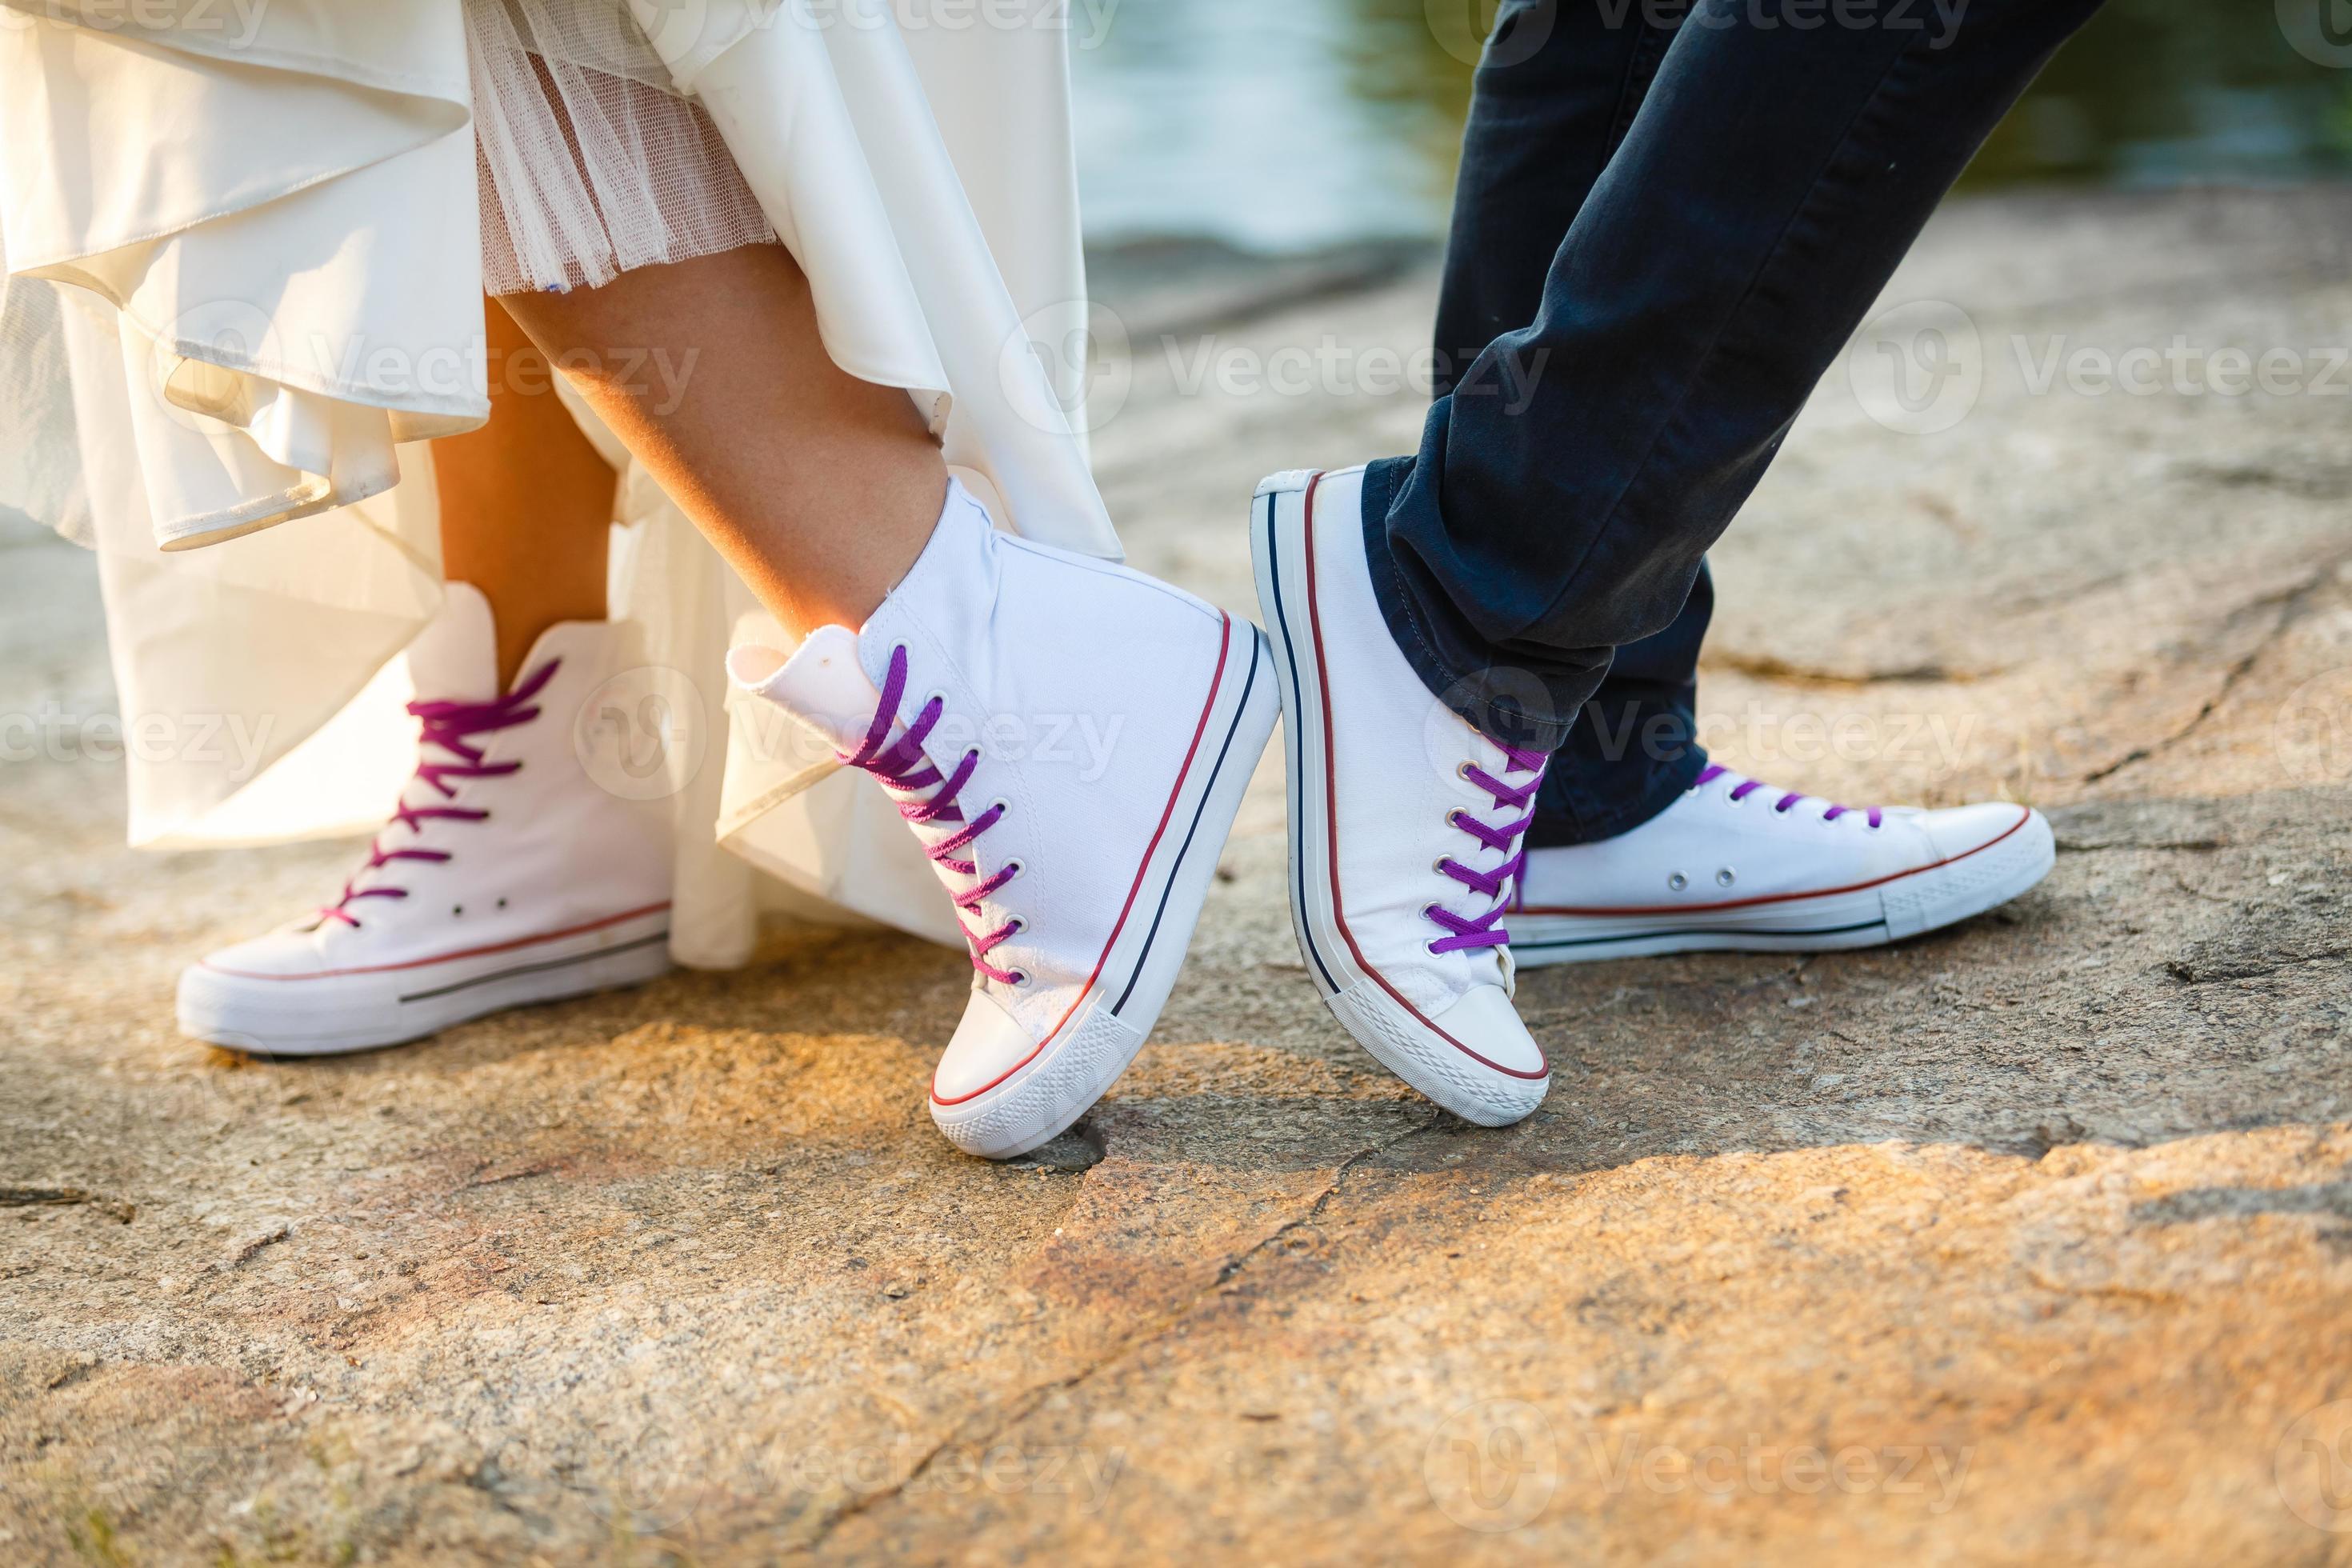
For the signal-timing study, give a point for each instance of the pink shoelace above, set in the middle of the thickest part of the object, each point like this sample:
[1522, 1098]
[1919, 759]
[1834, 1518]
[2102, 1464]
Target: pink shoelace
[1714, 771]
[1486, 930]
[903, 767]
[447, 725]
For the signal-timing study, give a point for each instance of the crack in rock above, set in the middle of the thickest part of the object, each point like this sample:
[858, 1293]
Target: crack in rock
[2292, 603]
[65, 1197]
[1023, 1405]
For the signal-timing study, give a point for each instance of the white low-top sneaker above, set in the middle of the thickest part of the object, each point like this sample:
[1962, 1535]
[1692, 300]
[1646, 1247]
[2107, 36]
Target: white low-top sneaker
[508, 875]
[1070, 741]
[1735, 864]
[1405, 822]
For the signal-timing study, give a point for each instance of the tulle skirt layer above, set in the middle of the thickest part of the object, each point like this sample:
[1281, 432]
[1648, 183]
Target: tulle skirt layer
[589, 163]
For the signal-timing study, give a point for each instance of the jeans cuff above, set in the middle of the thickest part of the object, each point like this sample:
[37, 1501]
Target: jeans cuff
[1497, 715]
[1555, 831]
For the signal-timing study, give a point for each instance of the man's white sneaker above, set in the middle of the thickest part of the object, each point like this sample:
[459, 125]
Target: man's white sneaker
[1070, 741]
[508, 875]
[1735, 864]
[1404, 820]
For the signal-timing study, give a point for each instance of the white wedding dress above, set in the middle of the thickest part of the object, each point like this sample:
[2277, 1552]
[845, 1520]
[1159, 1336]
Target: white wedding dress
[256, 237]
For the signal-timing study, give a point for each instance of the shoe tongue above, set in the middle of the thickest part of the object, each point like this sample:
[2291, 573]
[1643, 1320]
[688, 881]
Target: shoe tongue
[821, 684]
[456, 657]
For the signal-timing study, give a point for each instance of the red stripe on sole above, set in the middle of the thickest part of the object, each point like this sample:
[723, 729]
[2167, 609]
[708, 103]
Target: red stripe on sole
[519, 942]
[2025, 816]
[1332, 806]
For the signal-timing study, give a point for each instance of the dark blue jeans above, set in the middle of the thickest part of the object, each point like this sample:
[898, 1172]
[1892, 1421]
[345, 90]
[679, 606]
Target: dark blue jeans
[1671, 218]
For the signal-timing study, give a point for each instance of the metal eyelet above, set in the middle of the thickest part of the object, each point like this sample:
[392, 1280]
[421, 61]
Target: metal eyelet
[1013, 868]
[1678, 881]
[1725, 877]
[1020, 977]
[1015, 926]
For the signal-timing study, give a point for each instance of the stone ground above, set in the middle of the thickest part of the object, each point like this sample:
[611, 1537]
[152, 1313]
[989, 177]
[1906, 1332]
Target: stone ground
[2028, 1240]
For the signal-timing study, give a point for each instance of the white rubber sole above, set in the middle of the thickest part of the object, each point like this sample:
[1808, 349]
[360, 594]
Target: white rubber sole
[1077, 1065]
[1902, 906]
[358, 1010]
[1399, 1038]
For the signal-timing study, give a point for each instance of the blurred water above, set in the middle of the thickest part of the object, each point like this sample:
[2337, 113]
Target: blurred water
[1291, 124]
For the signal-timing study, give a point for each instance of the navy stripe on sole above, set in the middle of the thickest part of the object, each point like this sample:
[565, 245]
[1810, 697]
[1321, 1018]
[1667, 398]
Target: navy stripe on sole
[1240, 708]
[1295, 744]
[522, 969]
[1538, 946]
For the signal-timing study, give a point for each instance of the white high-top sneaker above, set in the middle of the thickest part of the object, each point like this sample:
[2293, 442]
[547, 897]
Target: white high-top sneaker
[1070, 741]
[1738, 865]
[1404, 820]
[508, 874]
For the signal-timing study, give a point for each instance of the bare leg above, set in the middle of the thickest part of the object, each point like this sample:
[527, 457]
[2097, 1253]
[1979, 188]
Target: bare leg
[819, 488]
[526, 503]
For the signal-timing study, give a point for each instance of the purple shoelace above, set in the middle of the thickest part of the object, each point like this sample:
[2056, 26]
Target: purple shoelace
[1714, 771]
[904, 767]
[445, 725]
[1486, 930]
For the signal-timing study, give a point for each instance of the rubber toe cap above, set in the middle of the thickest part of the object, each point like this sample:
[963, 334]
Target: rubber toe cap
[988, 1045]
[1962, 830]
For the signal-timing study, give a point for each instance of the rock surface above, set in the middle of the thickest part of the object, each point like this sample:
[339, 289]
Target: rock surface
[2029, 1240]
